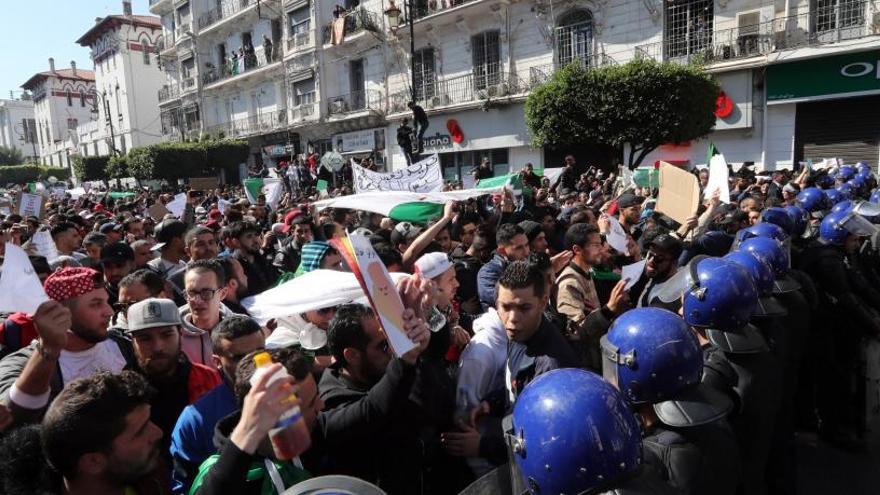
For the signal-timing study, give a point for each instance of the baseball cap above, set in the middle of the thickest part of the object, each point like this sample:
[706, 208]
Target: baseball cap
[404, 232]
[627, 200]
[665, 242]
[167, 230]
[118, 252]
[735, 215]
[152, 313]
[432, 265]
[109, 227]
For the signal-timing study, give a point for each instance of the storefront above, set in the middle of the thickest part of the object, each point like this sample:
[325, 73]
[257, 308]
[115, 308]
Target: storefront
[832, 105]
[362, 144]
[463, 139]
[277, 147]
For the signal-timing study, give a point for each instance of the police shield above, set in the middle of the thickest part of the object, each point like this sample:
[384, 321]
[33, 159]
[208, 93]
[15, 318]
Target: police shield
[335, 484]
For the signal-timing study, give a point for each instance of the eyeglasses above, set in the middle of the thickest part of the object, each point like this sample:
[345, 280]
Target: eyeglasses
[203, 294]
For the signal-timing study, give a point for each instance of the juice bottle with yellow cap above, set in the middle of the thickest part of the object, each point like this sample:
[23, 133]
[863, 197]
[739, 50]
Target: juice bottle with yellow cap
[290, 437]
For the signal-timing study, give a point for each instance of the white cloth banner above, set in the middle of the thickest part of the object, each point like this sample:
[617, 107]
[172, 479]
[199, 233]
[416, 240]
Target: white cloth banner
[177, 205]
[384, 202]
[20, 287]
[718, 179]
[273, 189]
[421, 177]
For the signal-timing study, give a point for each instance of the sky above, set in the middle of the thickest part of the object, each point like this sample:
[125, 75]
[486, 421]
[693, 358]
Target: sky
[34, 30]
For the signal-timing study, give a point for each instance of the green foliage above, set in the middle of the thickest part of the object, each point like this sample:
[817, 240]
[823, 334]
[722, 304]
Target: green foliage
[173, 161]
[90, 167]
[10, 156]
[117, 167]
[22, 174]
[643, 104]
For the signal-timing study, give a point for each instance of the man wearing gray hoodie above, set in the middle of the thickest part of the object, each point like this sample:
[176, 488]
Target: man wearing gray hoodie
[204, 289]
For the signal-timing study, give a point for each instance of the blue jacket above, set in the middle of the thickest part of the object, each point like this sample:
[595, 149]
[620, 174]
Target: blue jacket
[487, 277]
[192, 440]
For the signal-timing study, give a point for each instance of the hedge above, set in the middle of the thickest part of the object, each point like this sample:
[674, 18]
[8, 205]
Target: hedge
[181, 160]
[90, 167]
[22, 174]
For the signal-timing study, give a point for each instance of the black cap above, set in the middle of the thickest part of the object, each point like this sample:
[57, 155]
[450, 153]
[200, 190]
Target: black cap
[167, 230]
[627, 200]
[110, 226]
[732, 216]
[667, 243]
[117, 252]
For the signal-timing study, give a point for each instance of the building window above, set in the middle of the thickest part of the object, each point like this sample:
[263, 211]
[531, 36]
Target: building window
[486, 51]
[304, 92]
[828, 15]
[574, 38]
[30, 130]
[425, 77]
[688, 29]
[300, 22]
[460, 164]
[145, 47]
[71, 124]
[82, 98]
[69, 98]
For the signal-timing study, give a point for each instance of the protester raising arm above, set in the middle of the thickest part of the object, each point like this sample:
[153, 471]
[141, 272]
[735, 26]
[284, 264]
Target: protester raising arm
[421, 242]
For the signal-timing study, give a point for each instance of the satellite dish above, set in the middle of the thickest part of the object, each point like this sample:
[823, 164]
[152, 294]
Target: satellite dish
[332, 161]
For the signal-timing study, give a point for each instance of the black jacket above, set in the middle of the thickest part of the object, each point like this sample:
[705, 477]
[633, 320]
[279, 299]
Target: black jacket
[288, 256]
[261, 275]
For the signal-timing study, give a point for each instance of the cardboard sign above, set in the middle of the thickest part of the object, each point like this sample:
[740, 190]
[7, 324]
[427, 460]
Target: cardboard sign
[679, 193]
[379, 287]
[203, 183]
[157, 212]
[30, 205]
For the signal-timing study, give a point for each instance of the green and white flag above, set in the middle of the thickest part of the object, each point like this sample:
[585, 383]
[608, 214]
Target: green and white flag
[404, 206]
[271, 188]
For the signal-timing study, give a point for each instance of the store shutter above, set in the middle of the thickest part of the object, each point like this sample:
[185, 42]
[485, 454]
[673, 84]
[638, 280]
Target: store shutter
[847, 128]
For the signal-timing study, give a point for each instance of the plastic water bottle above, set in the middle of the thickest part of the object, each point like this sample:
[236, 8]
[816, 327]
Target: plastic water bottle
[290, 437]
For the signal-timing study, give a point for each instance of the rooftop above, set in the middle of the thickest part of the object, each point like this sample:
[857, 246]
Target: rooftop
[81, 75]
[113, 21]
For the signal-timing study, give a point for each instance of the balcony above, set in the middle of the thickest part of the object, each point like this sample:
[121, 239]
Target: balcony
[168, 93]
[185, 29]
[300, 41]
[157, 6]
[468, 88]
[243, 65]
[229, 8]
[251, 126]
[357, 101]
[188, 83]
[425, 8]
[819, 27]
[307, 112]
[356, 22]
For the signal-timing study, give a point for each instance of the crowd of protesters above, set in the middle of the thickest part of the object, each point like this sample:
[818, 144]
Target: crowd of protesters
[745, 324]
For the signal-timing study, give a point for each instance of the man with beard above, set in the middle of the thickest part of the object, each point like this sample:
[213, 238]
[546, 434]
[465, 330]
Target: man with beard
[236, 285]
[200, 243]
[662, 263]
[301, 232]
[154, 328]
[98, 436]
[134, 288]
[116, 263]
[260, 274]
[74, 343]
[192, 440]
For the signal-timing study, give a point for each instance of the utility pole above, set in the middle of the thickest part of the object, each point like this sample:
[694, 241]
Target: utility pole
[412, 47]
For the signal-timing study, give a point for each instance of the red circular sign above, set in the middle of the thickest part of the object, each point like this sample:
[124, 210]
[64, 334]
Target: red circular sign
[723, 106]
[455, 131]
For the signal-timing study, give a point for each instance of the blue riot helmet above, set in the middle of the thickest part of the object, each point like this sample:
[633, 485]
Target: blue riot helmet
[871, 211]
[864, 173]
[777, 256]
[800, 219]
[862, 165]
[777, 215]
[768, 230]
[652, 357]
[875, 196]
[574, 433]
[825, 181]
[720, 299]
[833, 197]
[845, 190]
[837, 225]
[763, 277]
[811, 199]
[846, 172]
[842, 206]
[858, 184]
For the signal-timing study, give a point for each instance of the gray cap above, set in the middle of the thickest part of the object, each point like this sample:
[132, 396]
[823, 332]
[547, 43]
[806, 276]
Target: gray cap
[152, 313]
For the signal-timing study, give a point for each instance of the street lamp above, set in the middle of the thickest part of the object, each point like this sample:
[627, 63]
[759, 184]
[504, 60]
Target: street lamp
[393, 14]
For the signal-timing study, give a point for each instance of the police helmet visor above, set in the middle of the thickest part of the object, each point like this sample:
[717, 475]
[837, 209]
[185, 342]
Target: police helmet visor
[672, 290]
[694, 406]
[856, 224]
[610, 361]
[866, 209]
[746, 340]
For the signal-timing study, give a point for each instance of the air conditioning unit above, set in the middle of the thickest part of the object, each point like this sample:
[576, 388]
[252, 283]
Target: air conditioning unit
[497, 90]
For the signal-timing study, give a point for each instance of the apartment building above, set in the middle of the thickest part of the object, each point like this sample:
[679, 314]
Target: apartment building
[339, 75]
[63, 98]
[125, 113]
[18, 128]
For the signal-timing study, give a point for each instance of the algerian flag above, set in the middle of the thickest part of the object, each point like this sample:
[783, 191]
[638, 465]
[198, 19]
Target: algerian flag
[20, 287]
[551, 174]
[270, 188]
[403, 205]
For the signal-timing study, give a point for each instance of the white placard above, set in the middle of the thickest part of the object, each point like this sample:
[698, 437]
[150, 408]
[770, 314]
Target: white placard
[20, 287]
[422, 177]
[632, 273]
[30, 205]
[718, 179]
[616, 236]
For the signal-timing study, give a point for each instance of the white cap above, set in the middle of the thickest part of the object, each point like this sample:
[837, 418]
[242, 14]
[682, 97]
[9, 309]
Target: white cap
[432, 265]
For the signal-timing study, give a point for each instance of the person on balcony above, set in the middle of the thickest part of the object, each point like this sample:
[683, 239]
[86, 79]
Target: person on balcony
[267, 49]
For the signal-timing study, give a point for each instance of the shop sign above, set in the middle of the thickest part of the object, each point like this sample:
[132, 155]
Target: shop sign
[278, 150]
[837, 75]
[437, 141]
[349, 142]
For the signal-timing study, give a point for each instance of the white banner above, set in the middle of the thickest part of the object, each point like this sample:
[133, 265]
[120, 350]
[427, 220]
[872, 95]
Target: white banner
[420, 177]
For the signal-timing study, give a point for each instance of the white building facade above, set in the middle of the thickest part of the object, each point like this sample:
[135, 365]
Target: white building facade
[18, 127]
[123, 49]
[63, 100]
[340, 76]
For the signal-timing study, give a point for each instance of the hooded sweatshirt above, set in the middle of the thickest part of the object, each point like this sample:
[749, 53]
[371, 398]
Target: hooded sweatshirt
[195, 342]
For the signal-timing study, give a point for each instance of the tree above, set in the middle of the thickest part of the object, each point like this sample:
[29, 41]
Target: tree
[10, 156]
[642, 104]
